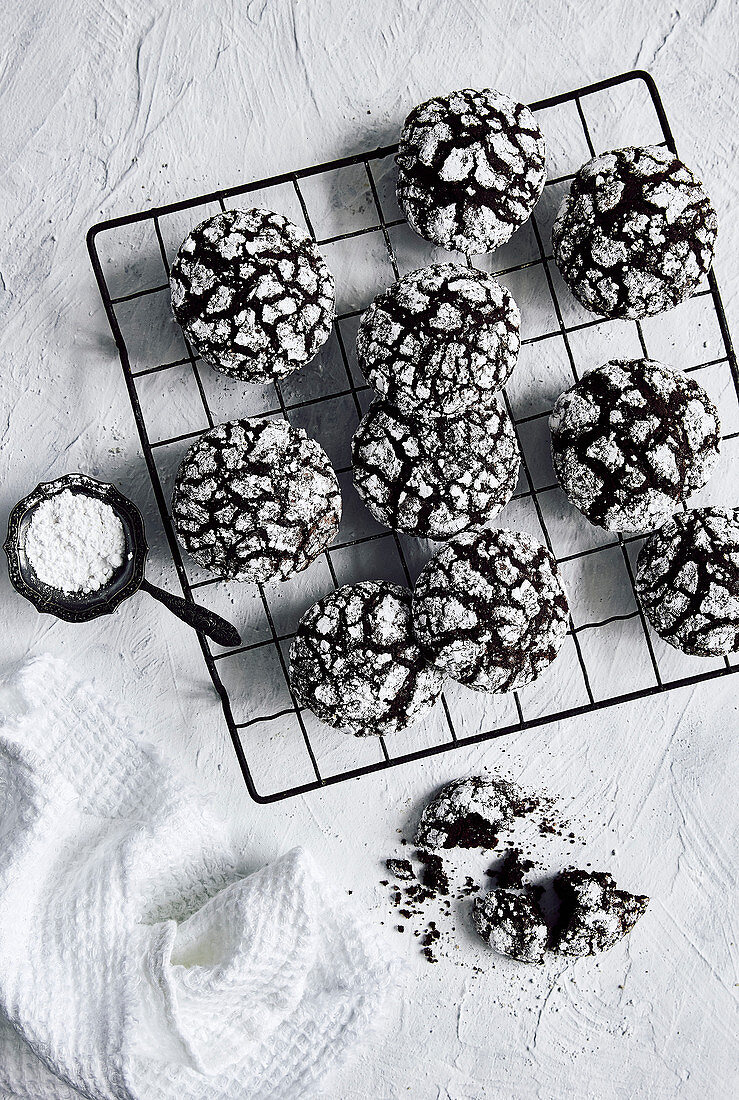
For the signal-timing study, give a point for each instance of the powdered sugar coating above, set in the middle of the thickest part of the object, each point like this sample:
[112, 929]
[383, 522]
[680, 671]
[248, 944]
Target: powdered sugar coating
[688, 581]
[355, 662]
[469, 812]
[632, 440]
[440, 340]
[471, 167]
[635, 233]
[256, 500]
[594, 915]
[253, 294]
[434, 478]
[491, 609]
[511, 924]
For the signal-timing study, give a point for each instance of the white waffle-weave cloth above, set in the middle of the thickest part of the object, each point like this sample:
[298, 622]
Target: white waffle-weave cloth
[136, 963]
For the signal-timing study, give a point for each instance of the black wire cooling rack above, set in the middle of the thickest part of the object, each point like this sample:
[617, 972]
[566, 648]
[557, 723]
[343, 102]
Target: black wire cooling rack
[348, 207]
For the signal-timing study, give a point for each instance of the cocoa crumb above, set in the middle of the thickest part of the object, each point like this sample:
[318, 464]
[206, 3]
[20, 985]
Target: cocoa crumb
[434, 875]
[510, 872]
[401, 868]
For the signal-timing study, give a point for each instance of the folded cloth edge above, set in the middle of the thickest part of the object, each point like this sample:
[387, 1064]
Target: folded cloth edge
[360, 1014]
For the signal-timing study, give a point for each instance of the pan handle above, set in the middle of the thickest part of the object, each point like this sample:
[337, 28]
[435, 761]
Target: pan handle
[203, 620]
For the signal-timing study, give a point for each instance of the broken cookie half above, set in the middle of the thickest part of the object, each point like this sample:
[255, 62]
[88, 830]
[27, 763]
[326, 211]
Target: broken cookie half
[512, 924]
[594, 914]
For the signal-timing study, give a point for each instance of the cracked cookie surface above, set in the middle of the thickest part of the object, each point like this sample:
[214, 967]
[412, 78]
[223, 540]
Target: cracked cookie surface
[256, 500]
[635, 233]
[439, 341]
[491, 610]
[631, 441]
[438, 477]
[355, 662]
[252, 294]
[471, 167]
[687, 581]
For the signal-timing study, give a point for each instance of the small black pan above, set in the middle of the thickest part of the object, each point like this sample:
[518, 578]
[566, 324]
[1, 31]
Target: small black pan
[127, 579]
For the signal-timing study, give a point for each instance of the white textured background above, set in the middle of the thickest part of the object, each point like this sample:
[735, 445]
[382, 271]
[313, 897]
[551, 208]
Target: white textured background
[111, 105]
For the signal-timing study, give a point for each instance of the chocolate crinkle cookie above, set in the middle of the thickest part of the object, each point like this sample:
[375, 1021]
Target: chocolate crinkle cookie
[440, 341]
[687, 580]
[434, 478]
[490, 609]
[631, 441]
[594, 915]
[635, 233]
[471, 167]
[355, 662]
[512, 924]
[256, 500]
[253, 294]
[470, 812]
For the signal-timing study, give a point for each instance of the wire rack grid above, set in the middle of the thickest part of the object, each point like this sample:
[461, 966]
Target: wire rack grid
[349, 209]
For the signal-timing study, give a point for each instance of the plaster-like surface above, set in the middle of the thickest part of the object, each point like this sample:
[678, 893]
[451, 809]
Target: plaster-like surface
[109, 106]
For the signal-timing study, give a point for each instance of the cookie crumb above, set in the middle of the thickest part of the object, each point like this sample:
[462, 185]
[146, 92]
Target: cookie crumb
[434, 877]
[401, 868]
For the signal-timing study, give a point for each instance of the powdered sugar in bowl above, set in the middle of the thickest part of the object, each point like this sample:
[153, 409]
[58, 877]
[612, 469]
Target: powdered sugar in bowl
[77, 547]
